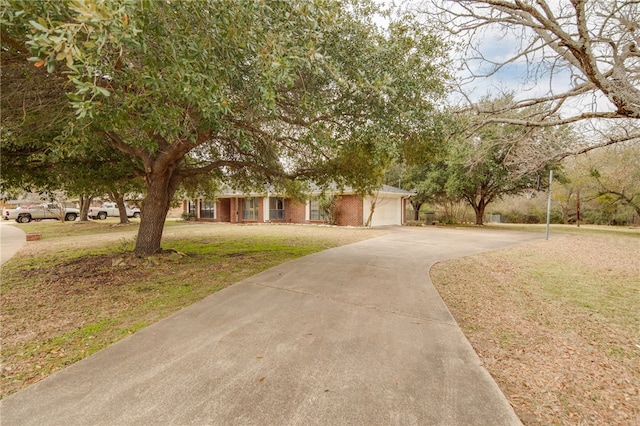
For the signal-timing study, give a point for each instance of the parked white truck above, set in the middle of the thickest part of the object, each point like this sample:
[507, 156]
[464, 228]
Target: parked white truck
[41, 211]
[111, 210]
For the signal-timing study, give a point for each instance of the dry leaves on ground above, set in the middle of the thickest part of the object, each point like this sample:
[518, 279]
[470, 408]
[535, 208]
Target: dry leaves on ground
[557, 325]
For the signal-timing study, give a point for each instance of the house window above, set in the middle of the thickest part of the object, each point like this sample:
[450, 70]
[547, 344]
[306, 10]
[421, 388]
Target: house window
[276, 208]
[207, 209]
[191, 208]
[315, 213]
[250, 208]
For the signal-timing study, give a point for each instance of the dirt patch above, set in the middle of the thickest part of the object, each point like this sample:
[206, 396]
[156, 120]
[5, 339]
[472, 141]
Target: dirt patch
[557, 325]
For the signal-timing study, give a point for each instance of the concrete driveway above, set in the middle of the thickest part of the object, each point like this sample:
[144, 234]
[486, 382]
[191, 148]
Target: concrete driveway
[353, 335]
[11, 239]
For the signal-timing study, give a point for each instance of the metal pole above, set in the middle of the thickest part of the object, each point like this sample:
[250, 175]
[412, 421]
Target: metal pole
[578, 208]
[549, 202]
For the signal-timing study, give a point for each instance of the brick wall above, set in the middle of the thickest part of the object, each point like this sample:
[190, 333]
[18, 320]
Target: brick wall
[294, 212]
[223, 210]
[349, 210]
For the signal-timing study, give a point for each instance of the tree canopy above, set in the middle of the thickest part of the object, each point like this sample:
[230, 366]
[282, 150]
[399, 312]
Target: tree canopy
[250, 92]
[481, 164]
[481, 170]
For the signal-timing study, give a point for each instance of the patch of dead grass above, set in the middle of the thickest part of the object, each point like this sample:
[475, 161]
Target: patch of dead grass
[556, 323]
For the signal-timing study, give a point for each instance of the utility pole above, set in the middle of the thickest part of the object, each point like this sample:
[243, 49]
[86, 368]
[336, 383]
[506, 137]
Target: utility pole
[549, 202]
[578, 208]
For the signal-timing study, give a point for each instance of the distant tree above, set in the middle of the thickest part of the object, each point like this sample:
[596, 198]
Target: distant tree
[602, 185]
[421, 163]
[427, 180]
[569, 193]
[615, 175]
[328, 208]
[44, 149]
[410, 178]
[79, 170]
[489, 166]
[251, 92]
[34, 112]
[482, 163]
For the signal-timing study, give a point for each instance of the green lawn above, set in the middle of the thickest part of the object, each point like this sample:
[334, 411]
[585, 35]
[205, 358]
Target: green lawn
[54, 229]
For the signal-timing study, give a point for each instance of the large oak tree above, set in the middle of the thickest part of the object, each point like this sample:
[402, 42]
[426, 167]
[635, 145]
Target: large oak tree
[250, 92]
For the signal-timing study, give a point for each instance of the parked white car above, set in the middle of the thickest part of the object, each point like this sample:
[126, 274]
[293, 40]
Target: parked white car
[111, 210]
[26, 214]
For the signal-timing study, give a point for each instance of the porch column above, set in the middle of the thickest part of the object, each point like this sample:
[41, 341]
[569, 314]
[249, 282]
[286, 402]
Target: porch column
[233, 210]
[265, 209]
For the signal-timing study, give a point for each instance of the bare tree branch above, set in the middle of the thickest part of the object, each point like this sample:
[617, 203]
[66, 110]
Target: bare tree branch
[597, 41]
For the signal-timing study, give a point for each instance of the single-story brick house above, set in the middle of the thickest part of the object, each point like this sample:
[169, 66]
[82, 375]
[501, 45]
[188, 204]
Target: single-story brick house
[350, 208]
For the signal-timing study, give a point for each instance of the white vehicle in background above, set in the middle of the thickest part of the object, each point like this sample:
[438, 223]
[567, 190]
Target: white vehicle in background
[111, 210]
[11, 214]
[38, 212]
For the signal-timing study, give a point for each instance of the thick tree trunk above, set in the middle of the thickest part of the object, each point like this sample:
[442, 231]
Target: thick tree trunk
[85, 202]
[160, 190]
[479, 214]
[416, 210]
[479, 201]
[478, 208]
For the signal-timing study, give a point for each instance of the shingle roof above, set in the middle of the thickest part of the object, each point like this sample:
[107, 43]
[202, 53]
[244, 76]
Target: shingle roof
[313, 190]
[389, 188]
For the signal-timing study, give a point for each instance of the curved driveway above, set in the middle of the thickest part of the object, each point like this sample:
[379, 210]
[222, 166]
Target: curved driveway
[353, 335]
[11, 239]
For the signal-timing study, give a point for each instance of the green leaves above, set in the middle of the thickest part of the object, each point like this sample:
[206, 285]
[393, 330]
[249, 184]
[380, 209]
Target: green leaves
[250, 91]
[40, 25]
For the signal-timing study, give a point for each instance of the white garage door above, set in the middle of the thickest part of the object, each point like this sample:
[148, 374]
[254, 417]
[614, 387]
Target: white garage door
[387, 211]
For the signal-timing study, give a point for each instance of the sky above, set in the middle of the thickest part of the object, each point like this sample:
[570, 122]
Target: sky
[518, 77]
